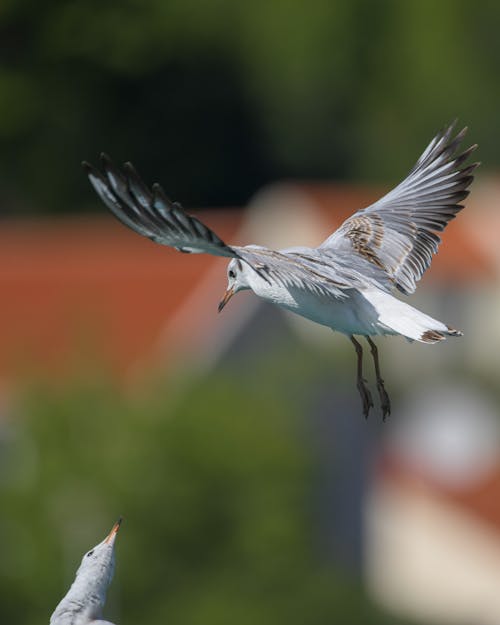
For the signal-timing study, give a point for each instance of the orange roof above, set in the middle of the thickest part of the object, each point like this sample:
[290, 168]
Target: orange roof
[74, 288]
[479, 497]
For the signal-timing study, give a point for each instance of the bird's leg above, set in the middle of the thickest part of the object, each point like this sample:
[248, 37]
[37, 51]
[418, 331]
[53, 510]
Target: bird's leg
[385, 402]
[366, 396]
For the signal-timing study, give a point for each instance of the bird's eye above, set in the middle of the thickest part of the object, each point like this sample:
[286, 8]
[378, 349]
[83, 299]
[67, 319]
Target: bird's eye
[232, 274]
[90, 553]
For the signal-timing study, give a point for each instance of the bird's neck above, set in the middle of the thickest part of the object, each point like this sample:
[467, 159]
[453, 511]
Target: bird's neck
[82, 603]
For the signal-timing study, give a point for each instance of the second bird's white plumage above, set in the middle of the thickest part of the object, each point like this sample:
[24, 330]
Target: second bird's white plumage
[84, 601]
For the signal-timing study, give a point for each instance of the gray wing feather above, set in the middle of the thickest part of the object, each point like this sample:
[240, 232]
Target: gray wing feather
[282, 268]
[397, 233]
[307, 269]
[151, 213]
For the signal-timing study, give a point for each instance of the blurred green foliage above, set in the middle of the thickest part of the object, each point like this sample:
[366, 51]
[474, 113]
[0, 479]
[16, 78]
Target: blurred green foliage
[217, 98]
[215, 484]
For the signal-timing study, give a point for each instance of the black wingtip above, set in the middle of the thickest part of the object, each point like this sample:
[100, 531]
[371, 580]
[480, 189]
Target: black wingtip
[129, 168]
[105, 160]
[159, 194]
[91, 171]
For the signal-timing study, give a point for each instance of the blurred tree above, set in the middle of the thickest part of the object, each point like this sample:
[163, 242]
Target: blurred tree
[215, 99]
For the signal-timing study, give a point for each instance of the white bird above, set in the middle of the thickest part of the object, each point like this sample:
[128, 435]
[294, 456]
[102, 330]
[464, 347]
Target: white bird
[347, 283]
[85, 599]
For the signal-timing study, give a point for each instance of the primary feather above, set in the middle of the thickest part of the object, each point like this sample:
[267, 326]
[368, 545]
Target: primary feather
[151, 213]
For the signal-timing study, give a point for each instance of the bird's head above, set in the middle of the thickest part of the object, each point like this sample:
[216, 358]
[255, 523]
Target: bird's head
[86, 597]
[98, 564]
[237, 280]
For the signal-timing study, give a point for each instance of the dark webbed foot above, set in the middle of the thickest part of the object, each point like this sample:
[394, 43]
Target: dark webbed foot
[385, 402]
[366, 397]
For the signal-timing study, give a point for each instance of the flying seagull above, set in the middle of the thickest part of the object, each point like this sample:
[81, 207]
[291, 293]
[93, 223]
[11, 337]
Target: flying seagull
[85, 599]
[347, 283]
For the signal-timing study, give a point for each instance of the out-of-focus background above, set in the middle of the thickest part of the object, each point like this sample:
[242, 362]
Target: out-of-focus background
[253, 490]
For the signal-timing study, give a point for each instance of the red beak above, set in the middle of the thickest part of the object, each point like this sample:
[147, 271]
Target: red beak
[227, 296]
[110, 538]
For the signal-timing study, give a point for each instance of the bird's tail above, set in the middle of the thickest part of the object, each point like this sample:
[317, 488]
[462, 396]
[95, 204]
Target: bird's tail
[400, 318]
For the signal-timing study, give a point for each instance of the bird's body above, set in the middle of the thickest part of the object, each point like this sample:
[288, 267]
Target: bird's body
[349, 315]
[365, 311]
[348, 282]
[84, 601]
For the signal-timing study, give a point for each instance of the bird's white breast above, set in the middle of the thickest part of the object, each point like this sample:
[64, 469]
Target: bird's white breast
[350, 315]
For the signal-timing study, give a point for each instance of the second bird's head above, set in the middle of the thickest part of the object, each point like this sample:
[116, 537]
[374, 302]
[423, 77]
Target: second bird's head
[237, 280]
[98, 564]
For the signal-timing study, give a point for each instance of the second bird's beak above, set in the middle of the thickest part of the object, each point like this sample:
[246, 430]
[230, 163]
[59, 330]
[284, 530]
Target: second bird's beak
[110, 538]
[227, 296]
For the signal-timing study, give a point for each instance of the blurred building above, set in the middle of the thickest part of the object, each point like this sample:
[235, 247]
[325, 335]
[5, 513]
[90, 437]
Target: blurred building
[433, 513]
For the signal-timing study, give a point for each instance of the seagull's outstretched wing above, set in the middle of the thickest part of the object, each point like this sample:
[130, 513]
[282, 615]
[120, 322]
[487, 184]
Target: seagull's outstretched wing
[150, 212]
[398, 233]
